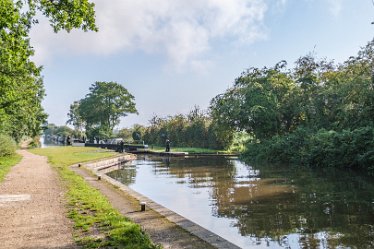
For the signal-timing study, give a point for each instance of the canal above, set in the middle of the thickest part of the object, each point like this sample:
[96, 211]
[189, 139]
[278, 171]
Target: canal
[260, 206]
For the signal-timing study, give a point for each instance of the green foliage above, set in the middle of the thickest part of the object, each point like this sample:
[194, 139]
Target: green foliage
[52, 129]
[67, 14]
[102, 108]
[126, 134]
[21, 87]
[352, 149]
[317, 113]
[59, 134]
[21, 84]
[89, 209]
[136, 136]
[74, 118]
[239, 141]
[193, 130]
[262, 102]
[6, 163]
[7, 146]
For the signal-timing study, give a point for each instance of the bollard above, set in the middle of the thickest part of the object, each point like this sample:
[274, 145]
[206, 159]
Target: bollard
[79, 164]
[98, 177]
[142, 206]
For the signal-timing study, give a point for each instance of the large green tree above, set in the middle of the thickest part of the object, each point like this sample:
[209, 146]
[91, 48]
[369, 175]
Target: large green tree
[21, 85]
[262, 102]
[317, 113]
[103, 107]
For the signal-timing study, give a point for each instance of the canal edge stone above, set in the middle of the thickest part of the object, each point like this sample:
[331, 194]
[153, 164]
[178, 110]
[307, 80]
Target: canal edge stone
[96, 167]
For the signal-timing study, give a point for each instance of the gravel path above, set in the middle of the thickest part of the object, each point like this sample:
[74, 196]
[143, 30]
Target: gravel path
[32, 211]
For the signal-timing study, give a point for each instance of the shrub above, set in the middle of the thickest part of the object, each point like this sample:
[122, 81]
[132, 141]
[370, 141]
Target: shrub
[7, 145]
[280, 149]
[325, 148]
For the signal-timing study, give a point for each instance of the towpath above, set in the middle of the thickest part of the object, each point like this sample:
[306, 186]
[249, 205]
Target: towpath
[32, 211]
[33, 214]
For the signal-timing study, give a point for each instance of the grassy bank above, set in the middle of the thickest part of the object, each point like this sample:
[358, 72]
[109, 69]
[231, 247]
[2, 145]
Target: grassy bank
[97, 223]
[6, 164]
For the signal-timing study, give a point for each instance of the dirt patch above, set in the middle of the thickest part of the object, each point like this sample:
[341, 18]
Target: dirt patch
[161, 231]
[32, 211]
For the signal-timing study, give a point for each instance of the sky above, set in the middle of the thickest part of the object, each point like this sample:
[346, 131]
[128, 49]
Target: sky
[173, 55]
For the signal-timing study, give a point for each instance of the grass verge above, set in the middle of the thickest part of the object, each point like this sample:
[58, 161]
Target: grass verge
[6, 163]
[97, 223]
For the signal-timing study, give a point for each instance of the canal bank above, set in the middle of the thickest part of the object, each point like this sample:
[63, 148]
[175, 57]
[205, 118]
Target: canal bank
[262, 206]
[164, 226]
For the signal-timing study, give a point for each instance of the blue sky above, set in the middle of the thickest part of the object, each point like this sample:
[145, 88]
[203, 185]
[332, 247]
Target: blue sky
[175, 54]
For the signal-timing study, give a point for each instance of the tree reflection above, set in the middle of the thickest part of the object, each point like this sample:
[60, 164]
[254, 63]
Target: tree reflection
[280, 202]
[326, 208]
[126, 174]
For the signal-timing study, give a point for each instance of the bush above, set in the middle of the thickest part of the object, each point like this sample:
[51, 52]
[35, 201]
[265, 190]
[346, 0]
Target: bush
[345, 149]
[280, 149]
[7, 146]
[324, 148]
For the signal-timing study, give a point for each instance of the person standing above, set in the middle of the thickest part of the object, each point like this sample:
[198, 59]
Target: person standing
[167, 145]
[121, 146]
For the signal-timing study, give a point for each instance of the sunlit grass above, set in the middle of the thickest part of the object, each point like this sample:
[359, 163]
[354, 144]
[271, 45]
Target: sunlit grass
[67, 155]
[97, 223]
[6, 163]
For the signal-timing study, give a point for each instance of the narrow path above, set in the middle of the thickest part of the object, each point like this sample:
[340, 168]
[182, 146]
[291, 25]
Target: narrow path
[32, 211]
[161, 231]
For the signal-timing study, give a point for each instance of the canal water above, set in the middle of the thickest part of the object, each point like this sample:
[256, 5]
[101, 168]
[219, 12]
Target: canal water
[260, 206]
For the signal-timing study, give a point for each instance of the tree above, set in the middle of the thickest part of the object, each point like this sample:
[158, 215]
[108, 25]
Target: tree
[196, 129]
[58, 134]
[103, 107]
[318, 113]
[21, 85]
[262, 102]
[74, 117]
[66, 14]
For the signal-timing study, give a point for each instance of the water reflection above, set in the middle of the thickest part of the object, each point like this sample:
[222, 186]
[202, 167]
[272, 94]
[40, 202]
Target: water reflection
[262, 206]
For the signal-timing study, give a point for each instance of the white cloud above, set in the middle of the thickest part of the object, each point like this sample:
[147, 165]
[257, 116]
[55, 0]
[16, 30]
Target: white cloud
[335, 7]
[182, 30]
[281, 3]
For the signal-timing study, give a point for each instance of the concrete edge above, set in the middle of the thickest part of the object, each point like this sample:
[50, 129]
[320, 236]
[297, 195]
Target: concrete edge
[98, 168]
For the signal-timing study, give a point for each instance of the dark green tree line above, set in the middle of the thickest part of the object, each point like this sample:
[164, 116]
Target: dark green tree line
[54, 134]
[195, 129]
[315, 113]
